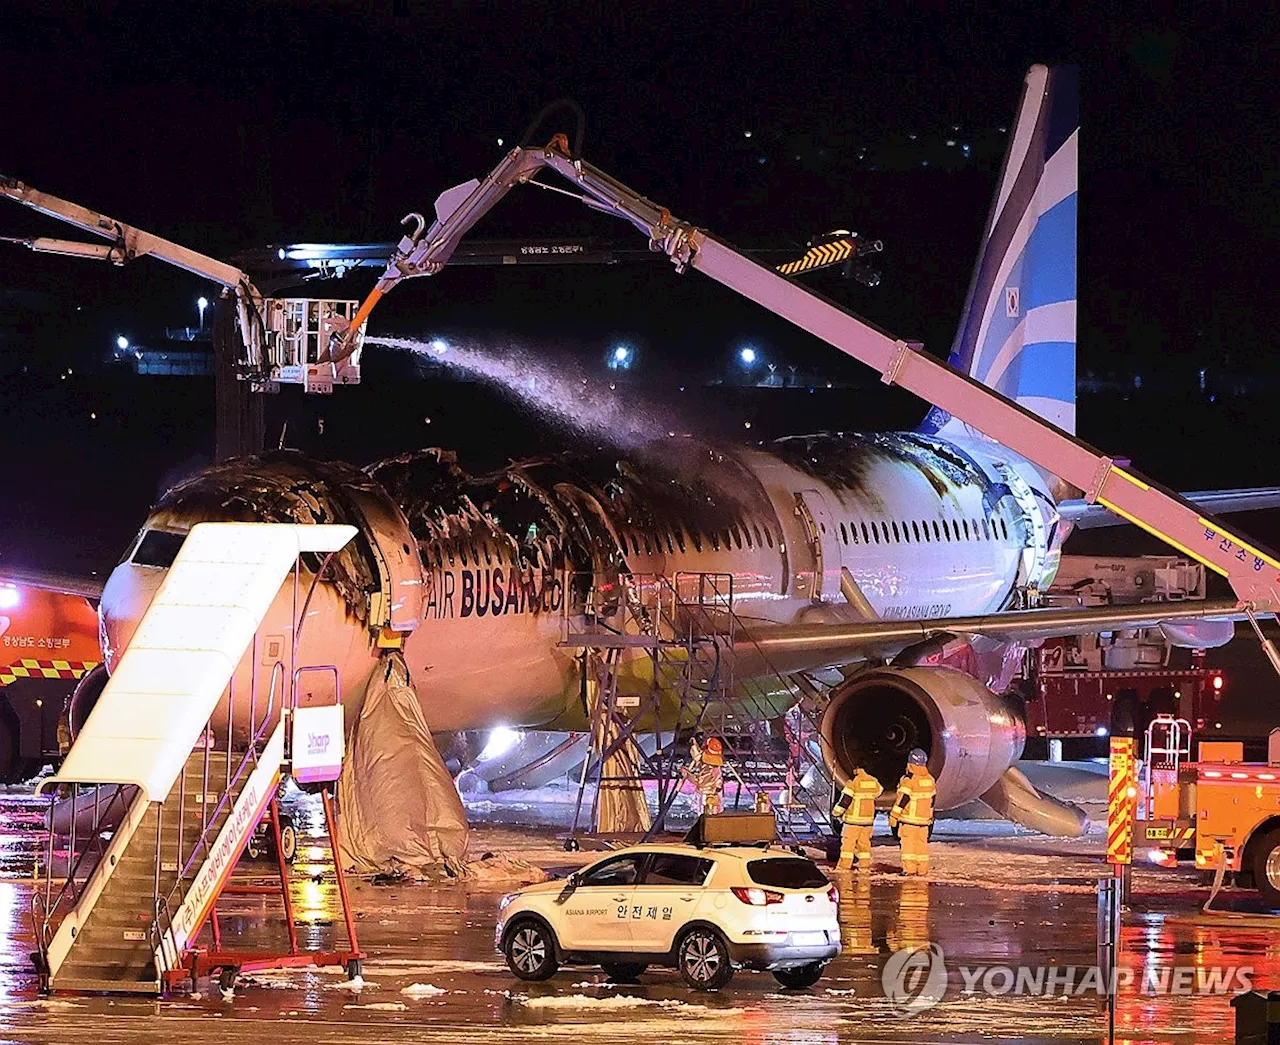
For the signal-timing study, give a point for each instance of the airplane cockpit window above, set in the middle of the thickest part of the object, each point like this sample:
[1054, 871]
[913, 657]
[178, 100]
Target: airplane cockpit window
[158, 548]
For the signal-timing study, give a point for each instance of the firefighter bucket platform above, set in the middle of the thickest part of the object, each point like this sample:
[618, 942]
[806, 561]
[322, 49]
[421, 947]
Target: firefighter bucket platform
[174, 790]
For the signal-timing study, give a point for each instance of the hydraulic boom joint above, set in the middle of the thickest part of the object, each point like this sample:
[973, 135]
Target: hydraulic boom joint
[1254, 574]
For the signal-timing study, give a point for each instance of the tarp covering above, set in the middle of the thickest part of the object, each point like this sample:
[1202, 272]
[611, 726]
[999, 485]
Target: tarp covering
[620, 799]
[399, 809]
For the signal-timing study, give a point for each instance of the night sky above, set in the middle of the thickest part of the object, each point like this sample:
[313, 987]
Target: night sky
[236, 125]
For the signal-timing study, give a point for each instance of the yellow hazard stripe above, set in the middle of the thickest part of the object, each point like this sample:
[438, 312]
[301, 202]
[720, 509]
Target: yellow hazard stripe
[54, 669]
[816, 257]
[1157, 533]
[1242, 544]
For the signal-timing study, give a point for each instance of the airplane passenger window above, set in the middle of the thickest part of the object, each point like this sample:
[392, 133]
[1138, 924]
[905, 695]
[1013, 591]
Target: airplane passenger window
[966, 529]
[680, 540]
[647, 549]
[746, 533]
[937, 536]
[896, 539]
[488, 556]
[915, 530]
[671, 549]
[728, 536]
[768, 536]
[714, 538]
[1004, 530]
[986, 530]
[450, 550]
[759, 538]
[844, 534]
[865, 538]
[737, 536]
[462, 553]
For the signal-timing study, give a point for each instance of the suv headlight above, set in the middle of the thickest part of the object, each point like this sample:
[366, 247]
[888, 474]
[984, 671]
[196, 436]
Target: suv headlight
[507, 901]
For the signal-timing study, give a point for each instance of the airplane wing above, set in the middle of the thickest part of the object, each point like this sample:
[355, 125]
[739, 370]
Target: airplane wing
[787, 648]
[1087, 516]
[49, 580]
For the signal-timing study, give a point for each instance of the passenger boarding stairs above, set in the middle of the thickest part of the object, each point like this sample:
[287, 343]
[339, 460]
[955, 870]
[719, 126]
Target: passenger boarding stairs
[688, 627]
[169, 807]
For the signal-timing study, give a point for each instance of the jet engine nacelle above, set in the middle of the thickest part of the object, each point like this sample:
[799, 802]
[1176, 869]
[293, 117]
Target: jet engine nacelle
[970, 734]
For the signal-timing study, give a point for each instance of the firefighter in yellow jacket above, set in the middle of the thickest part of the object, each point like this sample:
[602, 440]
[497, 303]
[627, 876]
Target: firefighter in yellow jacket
[912, 813]
[856, 808]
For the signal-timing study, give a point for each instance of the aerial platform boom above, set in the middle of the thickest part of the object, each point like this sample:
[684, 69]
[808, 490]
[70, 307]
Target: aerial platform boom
[1254, 574]
[279, 337]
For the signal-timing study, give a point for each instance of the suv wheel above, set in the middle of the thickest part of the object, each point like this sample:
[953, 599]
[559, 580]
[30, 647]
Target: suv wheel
[624, 972]
[799, 976]
[703, 960]
[530, 951]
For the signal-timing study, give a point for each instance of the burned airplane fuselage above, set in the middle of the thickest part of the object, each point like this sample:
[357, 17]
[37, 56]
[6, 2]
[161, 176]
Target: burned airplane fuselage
[475, 576]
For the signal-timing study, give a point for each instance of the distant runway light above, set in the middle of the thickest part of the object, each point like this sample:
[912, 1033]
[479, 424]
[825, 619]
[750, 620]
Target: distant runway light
[621, 357]
[122, 342]
[747, 355]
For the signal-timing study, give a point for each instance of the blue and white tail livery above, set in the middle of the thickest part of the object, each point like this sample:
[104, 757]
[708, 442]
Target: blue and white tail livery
[1018, 331]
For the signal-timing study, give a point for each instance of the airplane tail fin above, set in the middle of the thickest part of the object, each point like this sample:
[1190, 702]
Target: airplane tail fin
[1017, 334]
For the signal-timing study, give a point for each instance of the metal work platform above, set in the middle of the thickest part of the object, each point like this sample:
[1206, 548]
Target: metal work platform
[171, 788]
[657, 653]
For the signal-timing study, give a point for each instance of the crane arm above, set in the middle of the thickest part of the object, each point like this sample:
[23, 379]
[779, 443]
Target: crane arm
[128, 243]
[1254, 574]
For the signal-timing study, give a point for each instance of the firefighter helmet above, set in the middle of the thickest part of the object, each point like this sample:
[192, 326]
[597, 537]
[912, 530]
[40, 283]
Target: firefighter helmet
[917, 757]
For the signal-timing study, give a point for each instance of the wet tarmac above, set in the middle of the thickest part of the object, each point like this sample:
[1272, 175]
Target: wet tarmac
[995, 899]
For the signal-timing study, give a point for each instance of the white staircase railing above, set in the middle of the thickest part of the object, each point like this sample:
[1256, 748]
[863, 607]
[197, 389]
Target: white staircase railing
[159, 700]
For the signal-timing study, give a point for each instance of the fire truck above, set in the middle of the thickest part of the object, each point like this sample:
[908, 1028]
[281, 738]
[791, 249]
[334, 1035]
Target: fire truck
[1082, 688]
[48, 643]
[1219, 810]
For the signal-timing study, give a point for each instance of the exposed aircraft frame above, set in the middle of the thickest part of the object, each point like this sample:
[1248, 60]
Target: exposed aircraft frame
[1254, 575]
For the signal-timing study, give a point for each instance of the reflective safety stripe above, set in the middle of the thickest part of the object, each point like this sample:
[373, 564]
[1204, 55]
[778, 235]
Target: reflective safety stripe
[857, 803]
[918, 788]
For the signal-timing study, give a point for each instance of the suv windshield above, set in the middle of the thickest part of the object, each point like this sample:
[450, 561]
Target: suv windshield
[786, 872]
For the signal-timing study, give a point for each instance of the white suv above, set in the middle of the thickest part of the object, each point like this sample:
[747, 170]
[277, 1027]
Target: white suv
[704, 910]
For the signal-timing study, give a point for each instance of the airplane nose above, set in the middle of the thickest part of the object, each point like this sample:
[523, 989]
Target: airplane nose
[125, 598]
